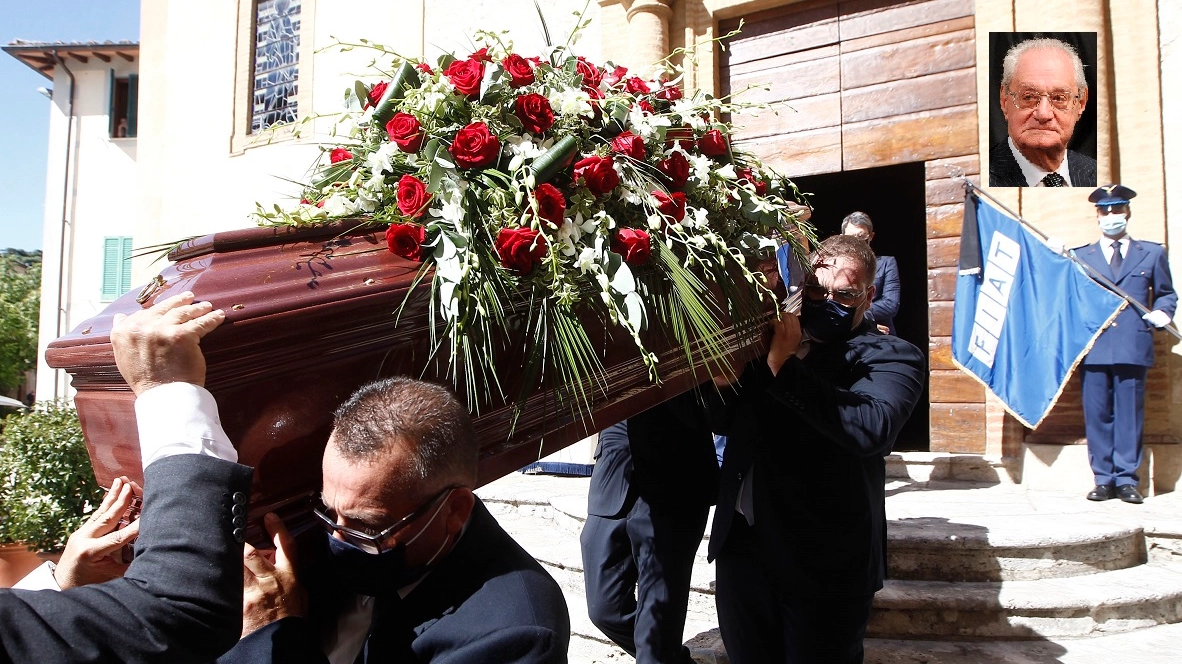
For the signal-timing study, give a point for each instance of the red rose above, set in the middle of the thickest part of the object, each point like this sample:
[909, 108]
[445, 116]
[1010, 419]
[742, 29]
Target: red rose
[671, 205]
[597, 174]
[595, 94]
[481, 55]
[592, 75]
[669, 93]
[676, 168]
[629, 144]
[534, 112]
[413, 197]
[551, 203]
[646, 107]
[713, 143]
[615, 77]
[406, 240]
[475, 146]
[376, 92]
[749, 175]
[636, 86]
[425, 68]
[406, 132]
[520, 71]
[633, 244]
[339, 154]
[465, 76]
[520, 249]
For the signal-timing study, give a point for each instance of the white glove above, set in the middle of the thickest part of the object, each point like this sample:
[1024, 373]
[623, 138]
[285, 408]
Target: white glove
[1157, 318]
[1056, 245]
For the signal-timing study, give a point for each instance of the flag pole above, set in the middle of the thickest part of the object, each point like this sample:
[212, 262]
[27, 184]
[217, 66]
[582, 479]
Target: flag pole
[1091, 271]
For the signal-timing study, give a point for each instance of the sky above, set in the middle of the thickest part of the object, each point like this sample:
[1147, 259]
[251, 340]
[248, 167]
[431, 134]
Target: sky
[24, 112]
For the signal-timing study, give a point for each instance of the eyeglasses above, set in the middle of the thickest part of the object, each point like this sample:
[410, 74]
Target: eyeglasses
[846, 296]
[372, 543]
[1029, 99]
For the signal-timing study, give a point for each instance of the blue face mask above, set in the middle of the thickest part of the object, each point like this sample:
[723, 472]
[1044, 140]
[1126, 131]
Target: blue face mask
[376, 574]
[1113, 224]
[826, 320]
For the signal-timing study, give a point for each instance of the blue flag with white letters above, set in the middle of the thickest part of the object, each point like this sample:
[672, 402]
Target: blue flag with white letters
[1024, 315]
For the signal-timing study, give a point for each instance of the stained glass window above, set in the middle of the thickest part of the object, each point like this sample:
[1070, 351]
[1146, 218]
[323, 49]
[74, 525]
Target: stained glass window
[276, 63]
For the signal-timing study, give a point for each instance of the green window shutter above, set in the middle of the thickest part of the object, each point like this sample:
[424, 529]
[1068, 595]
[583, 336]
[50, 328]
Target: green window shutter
[116, 267]
[125, 264]
[133, 100]
[112, 121]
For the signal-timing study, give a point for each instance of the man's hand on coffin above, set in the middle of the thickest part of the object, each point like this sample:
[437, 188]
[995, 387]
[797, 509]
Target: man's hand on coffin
[87, 557]
[786, 338]
[159, 345]
[270, 588]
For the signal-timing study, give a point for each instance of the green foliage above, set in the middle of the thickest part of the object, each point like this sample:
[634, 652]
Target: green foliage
[20, 288]
[47, 486]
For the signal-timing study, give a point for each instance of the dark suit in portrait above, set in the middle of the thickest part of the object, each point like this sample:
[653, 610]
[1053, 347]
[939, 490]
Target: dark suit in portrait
[1004, 170]
[486, 601]
[181, 598]
[1114, 370]
[886, 292]
[655, 477]
[798, 567]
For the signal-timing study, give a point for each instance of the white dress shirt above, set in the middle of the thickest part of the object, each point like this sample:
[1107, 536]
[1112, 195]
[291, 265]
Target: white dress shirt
[1034, 174]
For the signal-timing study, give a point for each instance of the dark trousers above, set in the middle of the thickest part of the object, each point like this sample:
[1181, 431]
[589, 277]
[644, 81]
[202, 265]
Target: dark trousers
[762, 622]
[637, 571]
[1114, 411]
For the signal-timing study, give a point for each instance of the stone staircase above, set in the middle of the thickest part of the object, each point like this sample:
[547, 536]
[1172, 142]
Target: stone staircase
[986, 574]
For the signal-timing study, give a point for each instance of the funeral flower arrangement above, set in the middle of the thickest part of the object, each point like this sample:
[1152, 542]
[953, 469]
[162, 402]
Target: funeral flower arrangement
[582, 192]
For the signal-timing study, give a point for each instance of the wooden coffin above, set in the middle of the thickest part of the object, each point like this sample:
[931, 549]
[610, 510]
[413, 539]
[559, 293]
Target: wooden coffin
[309, 318]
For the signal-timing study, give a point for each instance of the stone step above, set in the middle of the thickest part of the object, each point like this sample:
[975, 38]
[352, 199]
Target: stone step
[1105, 602]
[1011, 548]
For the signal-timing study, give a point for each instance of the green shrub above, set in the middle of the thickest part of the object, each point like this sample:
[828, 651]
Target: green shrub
[47, 486]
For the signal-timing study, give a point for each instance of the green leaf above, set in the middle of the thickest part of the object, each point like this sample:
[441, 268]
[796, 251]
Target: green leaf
[558, 157]
[405, 77]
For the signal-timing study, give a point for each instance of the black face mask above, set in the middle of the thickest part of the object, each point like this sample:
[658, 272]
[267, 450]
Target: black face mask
[375, 574]
[826, 320]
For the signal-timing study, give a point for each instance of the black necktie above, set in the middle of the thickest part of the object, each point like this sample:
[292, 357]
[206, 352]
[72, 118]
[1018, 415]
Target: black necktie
[1054, 180]
[1116, 260]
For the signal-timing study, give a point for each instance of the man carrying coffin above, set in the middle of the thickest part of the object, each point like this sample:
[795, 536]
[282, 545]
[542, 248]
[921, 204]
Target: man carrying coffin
[800, 530]
[179, 600]
[415, 568]
[1114, 370]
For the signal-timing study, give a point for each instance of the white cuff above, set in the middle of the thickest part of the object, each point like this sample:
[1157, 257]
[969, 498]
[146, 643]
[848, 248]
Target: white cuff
[39, 579]
[180, 418]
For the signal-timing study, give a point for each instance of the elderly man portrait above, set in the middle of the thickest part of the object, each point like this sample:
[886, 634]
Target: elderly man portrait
[1042, 96]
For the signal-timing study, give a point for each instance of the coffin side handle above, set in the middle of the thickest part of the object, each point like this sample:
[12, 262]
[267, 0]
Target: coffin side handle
[150, 289]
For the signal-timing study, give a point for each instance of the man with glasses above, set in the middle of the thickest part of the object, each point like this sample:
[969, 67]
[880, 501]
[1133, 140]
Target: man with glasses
[1114, 369]
[885, 303]
[414, 567]
[1043, 93]
[800, 530]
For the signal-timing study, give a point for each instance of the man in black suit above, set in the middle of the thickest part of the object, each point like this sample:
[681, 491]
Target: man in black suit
[655, 478]
[415, 568]
[886, 274]
[180, 598]
[1043, 93]
[1114, 370]
[800, 532]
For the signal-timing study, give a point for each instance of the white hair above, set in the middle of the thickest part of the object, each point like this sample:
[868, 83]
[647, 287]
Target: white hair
[1010, 64]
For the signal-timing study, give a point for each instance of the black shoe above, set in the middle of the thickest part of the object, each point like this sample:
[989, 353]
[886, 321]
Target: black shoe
[1129, 494]
[1102, 492]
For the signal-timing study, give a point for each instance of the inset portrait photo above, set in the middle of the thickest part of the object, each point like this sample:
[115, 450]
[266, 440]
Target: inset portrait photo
[1042, 116]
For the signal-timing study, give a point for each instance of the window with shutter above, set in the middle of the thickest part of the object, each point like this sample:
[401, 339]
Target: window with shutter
[116, 267]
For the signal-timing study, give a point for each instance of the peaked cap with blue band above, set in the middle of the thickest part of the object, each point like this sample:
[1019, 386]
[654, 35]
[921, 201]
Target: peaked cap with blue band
[1113, 194]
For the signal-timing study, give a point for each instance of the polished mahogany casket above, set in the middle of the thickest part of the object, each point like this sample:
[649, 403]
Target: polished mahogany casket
[310, 317]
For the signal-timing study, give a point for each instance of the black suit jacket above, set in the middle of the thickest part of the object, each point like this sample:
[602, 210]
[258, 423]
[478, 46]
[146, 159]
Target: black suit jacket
[1145, 276]
[1004, 170]
[181, 599]
[487, 601]
[886, 292]
[815, 436]
[665, 454]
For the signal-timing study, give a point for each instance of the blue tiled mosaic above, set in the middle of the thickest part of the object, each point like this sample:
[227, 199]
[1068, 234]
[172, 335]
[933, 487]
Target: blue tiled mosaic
[276, 63]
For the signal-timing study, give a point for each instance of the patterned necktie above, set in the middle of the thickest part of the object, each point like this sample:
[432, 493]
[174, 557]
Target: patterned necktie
[1116, 260]
[1054, 180]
